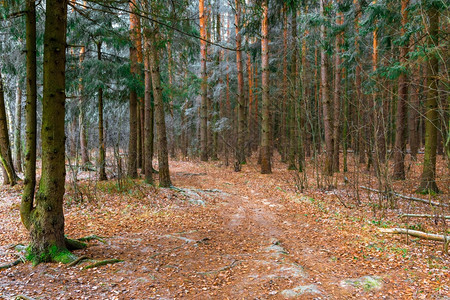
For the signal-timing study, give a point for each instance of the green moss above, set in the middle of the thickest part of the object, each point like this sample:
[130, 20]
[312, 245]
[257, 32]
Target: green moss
[52, 254]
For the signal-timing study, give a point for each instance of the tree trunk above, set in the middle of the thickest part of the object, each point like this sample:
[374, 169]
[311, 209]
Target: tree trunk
[47, 219]
[266, 167]
[337, 94]
[148, 113]
[240, 151]
[101, 141]
[413, 116]
[163, 159]
[82, 119]
[26, 205]
[5, 148]
[17, 130]
[132, 141]
[204, 85]
[284, 140]
[428, 184]
[401, 118]
[326, 101]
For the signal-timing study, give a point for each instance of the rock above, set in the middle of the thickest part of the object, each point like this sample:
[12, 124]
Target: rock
[367, 283]
[300, 290]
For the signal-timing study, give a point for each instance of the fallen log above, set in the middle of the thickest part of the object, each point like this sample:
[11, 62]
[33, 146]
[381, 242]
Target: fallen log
[405, 197]
[419, 234]
[423, 216]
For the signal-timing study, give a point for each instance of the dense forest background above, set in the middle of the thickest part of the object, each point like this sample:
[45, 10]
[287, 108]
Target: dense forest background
[347, 95]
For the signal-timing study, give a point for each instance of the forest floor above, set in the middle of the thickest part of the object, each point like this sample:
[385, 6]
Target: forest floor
[226, 235]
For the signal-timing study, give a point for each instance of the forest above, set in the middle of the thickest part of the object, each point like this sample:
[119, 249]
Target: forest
[224, 149]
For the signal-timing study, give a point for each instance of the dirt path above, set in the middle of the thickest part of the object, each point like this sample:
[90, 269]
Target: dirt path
[219, 235]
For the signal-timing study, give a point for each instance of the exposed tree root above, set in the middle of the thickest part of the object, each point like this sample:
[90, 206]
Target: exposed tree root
[92, 237]
[77, 261]
[11, 264]
[74, 244]
[102, 263]
[23, 297]
[234, 263]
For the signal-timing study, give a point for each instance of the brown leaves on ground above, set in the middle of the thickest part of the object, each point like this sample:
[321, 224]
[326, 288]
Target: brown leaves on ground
[226, 235]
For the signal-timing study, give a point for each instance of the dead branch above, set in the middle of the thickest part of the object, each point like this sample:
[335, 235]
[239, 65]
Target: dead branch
[423, 216]
[419, 234]
[77, 261]
[103, 263]
[405, 197]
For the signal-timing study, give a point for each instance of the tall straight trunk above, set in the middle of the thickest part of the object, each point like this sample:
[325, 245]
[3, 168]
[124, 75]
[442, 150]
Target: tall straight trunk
[82, 118]
[359, 94]
[5, 148]
[101, 141]
[293, 99]
[240, 151]
[326, 101]
[17, 130]
[216, 110]
[413, 115]
[337, 94]
[227, 139]
[256, 110]
[266, 167]
[250, 104]
[284, 140]
[47, 220]
[148, 114]
[26, 205]
[163, 157]
[428, 181]
[401, 117]
[132, 141]
[204, 85]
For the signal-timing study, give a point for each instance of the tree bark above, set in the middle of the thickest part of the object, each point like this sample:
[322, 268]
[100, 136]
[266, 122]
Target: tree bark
[5, 146]
[148, 113]
[163, 159]
[266, 167]
[428, 182]
[17, 130]
[326, 101]
[240, 152]
[132, 141]
[26, 205]
[204, 85]
[101, 141]
[47, 219]
[337, 94]
[401, 118]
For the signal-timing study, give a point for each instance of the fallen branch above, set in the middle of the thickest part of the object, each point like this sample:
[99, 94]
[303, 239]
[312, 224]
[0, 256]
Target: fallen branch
[103, 263]
[423, 216]
[11, 264]
[77, 261]
[405, 197]
[419, 234]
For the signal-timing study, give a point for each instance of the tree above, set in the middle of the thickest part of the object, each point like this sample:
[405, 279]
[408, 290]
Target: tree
[428, 182]
[326, 101]
[17, 130]
[204, 86]
[132, 141]
[401, 118]
[5, 148]
[240, 152]
[101, 141]
[266, 167]
[46, 219]
[163, 157]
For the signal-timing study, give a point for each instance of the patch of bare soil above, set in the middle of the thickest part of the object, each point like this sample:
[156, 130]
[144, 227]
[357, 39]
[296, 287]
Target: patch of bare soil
[226, 235]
